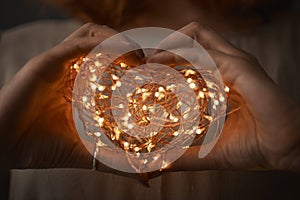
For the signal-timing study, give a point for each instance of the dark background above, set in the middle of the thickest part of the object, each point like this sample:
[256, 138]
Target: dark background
[15, 12]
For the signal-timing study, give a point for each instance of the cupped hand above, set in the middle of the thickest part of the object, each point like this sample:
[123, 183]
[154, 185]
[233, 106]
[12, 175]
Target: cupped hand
[36, 124]
[263, 132]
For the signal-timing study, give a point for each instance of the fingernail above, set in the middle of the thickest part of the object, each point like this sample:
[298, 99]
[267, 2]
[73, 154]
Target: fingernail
[140, 53]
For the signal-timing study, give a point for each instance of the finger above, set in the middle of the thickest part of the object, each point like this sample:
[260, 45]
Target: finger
[117, 44]
[235, 70]
[123, 49]
[73, 49]
[92, 30]
[208, 38]
[51, 64]
[184, 57]
[249, 79]
[132, 58]
[232, 73]
[227, 67]
[167, 58]
[121, 46]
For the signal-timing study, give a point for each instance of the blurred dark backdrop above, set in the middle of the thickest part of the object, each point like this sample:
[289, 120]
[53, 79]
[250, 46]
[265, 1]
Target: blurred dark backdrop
[15, 12]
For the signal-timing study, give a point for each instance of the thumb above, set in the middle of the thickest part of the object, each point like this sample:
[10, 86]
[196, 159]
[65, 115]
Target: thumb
[51, 65]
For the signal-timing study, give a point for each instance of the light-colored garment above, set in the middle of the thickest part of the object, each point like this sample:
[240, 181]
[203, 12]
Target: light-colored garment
[277, 48]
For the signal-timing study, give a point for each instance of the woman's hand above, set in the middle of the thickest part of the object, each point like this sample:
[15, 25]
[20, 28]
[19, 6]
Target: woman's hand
[36, 124]
[264, 132]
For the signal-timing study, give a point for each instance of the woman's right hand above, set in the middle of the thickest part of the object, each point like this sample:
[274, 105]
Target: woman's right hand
[36, 122]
